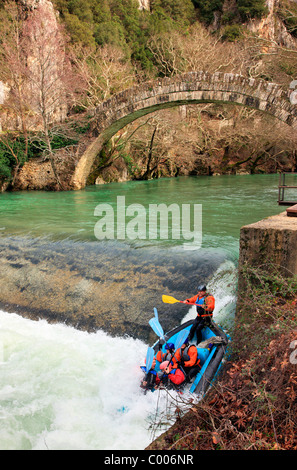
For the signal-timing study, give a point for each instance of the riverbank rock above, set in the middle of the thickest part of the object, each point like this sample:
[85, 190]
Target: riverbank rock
[267, 248]
[36, 175]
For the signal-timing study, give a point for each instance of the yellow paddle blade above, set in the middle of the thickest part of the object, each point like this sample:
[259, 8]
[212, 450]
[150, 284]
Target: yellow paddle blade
[167, 299]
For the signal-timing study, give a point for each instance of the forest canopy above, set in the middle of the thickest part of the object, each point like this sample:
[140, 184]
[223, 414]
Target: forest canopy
[122, 23]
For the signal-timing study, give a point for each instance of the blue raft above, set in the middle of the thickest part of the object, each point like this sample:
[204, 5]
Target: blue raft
[211, 358]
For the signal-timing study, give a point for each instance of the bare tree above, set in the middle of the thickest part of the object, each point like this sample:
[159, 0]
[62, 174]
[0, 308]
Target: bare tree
[102, 73]
[35, 66]
[13, 74]
[48, 73]
[177, 52]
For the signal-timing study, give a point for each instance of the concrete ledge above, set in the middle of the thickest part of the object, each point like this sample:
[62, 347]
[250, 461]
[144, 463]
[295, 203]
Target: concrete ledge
[292, 211]
[274, 240]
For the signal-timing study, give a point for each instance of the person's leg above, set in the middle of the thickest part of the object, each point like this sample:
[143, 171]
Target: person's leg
[193, 372]
[193, 329]
[199, 327]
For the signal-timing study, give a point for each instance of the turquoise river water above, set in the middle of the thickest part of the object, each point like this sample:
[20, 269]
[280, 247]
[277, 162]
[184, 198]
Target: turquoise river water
[62, 388]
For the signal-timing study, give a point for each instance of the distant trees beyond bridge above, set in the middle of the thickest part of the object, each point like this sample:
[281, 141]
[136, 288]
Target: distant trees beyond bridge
[190, 88]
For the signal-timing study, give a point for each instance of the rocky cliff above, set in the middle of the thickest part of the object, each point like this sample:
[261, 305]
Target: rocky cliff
[36, 56]
[271, 27]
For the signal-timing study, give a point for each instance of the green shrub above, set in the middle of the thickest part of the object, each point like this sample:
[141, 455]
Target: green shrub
[122, 23]
[251, 9]
[5, 167]
[231, 32]
[7, 160]
[207, 8]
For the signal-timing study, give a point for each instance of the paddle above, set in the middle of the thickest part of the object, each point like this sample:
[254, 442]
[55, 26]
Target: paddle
[180, 339]
[155, 325]
[167, 299]
[149, 359]
[157, 328]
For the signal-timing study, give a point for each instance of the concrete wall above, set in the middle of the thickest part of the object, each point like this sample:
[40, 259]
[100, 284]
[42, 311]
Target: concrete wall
[269, 243]
[273, 239]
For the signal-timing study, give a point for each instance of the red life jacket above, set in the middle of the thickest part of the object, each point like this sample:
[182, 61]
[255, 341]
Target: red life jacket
[176, 376]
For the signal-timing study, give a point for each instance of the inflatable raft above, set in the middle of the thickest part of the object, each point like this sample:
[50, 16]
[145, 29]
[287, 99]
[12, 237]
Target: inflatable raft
[211, 351]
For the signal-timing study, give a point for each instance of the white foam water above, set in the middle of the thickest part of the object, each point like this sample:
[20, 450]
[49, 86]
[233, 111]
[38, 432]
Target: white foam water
[61, 388]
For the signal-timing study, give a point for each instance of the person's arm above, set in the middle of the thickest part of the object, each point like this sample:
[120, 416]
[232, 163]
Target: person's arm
[192, 300]
[193, 357]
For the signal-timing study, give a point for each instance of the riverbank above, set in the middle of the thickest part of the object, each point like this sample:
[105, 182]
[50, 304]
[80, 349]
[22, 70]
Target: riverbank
[193, 140]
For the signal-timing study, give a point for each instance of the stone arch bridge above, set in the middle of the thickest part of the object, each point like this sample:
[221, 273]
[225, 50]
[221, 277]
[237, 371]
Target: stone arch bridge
[189, 88]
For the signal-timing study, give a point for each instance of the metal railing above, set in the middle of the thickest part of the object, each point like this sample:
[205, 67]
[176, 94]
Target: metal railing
[282, 187]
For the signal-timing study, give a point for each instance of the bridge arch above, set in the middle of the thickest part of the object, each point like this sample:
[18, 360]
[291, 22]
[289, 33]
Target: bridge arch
[189, 88]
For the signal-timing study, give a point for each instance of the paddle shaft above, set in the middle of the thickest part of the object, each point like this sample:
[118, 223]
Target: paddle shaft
[167, 299]
[175, 301]
[180, 341]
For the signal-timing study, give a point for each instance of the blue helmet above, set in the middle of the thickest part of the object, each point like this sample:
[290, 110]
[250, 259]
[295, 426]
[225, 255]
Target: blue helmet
[169, 346]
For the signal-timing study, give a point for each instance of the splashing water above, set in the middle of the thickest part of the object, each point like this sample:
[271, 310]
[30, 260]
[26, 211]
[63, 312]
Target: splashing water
[223, 287]
[61, 388]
